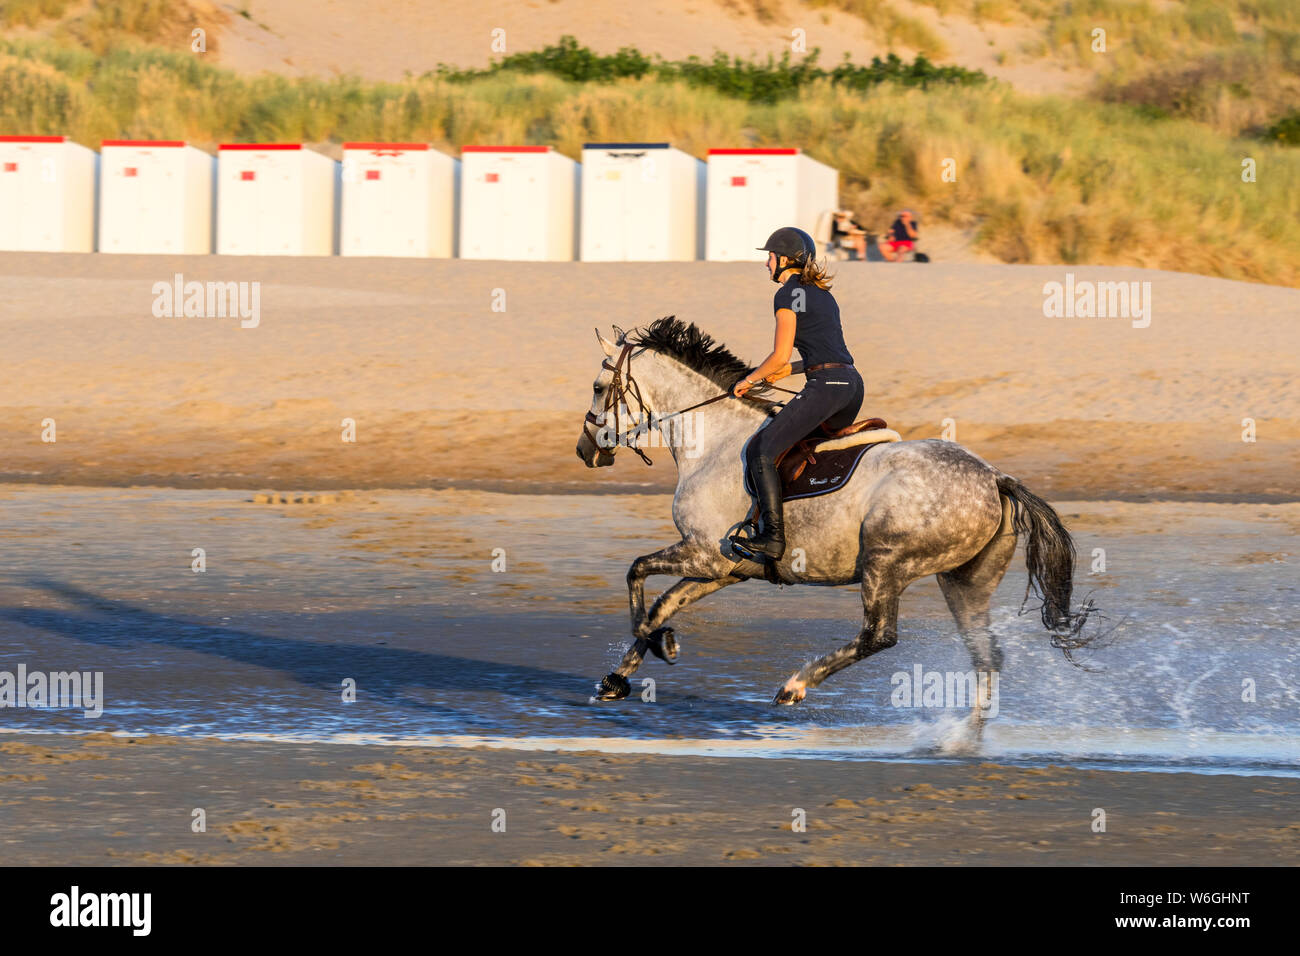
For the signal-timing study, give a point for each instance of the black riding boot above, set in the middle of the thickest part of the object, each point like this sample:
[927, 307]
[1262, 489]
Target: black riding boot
[770, 542]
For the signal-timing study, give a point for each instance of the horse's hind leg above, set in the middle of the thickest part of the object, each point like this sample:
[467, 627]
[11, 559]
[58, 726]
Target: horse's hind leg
[880, 592]
[968, 589]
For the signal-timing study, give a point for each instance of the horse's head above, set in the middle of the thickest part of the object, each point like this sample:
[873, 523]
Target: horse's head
[611, 416]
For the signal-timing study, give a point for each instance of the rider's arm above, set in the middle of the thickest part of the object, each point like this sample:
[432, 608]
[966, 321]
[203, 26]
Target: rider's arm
[782, 347]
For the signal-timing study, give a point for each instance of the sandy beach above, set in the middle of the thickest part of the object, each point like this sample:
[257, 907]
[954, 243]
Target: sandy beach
[114, 801]
[448, 390]
[372, 560]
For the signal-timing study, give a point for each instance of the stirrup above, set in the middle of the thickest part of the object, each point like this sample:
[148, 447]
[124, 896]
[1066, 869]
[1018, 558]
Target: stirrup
[740, 546]
[737, 545]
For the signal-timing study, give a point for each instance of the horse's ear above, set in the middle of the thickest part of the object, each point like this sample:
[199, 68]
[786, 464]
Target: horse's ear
[619, 336]
[605, 344]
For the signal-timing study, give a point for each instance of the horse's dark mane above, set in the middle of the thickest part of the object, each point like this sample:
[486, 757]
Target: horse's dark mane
[692, 347]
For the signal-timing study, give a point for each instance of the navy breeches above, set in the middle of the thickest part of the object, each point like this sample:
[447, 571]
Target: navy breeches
[831, 395]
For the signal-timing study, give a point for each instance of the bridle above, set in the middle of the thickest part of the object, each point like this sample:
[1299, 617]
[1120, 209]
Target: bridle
[619, 387]
[622, 385]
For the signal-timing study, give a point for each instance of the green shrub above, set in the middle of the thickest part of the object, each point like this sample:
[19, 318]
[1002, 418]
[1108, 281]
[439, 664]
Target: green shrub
[757, 82]
[1286, 130]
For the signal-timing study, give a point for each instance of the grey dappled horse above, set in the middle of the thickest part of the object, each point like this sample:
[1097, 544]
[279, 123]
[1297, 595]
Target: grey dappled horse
[911, 508]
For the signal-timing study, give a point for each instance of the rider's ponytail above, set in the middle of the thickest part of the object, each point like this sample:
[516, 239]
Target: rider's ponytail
[815, 274]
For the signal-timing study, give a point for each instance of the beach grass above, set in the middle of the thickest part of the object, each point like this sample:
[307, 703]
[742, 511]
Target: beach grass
[1037, 179]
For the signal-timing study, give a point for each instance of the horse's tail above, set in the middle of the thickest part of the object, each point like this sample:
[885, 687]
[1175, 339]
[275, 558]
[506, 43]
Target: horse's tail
[1049, 557]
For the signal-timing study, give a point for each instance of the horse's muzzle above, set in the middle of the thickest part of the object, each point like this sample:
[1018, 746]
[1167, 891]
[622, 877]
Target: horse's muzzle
[592, 455]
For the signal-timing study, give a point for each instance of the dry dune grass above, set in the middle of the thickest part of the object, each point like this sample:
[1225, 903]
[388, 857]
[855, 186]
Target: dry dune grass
[1042, 180]
[31, 12]
[894, 28]
[102, 25]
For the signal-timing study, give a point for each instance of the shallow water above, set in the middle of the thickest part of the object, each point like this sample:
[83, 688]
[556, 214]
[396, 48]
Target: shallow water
[396, 591]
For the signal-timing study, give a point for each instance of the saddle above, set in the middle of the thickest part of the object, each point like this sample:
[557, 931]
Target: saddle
[824, 461]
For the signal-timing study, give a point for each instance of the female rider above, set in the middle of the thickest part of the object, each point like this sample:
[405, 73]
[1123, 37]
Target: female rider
[807, 319]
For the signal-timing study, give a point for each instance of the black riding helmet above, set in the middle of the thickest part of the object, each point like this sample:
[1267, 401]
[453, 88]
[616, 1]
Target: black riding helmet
[795, 244]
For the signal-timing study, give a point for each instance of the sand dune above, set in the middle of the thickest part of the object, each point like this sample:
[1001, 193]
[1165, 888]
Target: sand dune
[386, 39]
[445, 390]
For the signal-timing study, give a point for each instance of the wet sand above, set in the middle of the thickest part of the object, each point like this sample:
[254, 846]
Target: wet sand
[402, 592]
[103, 800]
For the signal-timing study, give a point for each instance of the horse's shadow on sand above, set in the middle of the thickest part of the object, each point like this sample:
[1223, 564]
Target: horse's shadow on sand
[380, 671]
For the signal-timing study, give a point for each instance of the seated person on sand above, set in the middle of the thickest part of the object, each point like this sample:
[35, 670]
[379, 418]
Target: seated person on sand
[847, 234]
[901, 237]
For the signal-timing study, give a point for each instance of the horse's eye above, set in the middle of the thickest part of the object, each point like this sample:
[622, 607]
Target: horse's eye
[598, 388]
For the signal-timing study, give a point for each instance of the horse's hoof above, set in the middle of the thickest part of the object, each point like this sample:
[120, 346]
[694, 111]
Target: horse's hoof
[613, 687]
[791, 692]
[663, 644]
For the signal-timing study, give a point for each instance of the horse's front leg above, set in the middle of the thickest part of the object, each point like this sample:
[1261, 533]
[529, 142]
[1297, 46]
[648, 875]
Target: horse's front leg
[686, 559]
[684, 592]
[660, 639]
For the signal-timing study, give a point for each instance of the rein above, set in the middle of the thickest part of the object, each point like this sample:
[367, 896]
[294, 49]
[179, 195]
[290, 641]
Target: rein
[624, 384]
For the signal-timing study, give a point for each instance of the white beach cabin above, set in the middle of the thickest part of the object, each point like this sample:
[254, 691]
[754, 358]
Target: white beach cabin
[47, 195]
[641, 202]
[275, 199]
[155, 196]
[517, 202]
[399, 199]
[753, 192]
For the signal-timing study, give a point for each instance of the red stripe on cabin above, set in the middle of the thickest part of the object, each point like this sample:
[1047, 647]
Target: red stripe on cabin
[260, 147]
[33, 139]
[504, 149]
[753, 152]
[420, 146]
[152, 143]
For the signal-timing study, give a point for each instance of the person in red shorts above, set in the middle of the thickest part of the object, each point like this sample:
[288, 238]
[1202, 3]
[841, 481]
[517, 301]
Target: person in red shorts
[901, 238]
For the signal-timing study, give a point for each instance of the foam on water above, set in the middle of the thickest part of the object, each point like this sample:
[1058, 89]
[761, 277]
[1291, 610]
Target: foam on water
[1111, 748]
